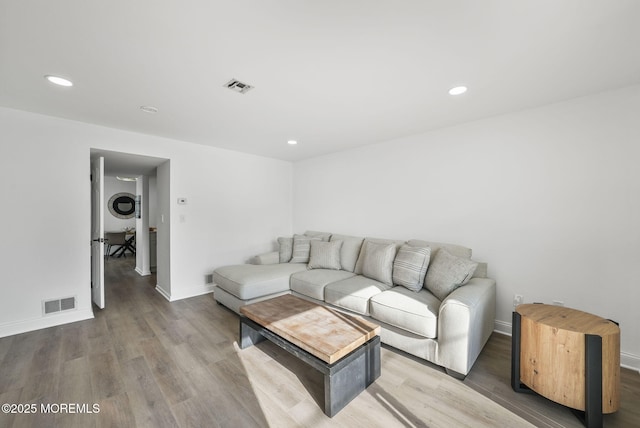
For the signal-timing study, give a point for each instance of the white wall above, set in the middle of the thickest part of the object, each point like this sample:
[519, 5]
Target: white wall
[238, 203]
[550, 198]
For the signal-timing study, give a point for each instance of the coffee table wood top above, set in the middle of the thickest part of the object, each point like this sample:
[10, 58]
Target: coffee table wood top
[323, 332]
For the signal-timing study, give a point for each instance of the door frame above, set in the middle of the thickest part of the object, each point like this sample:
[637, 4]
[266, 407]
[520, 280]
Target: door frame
[97, 232]
[141, 163]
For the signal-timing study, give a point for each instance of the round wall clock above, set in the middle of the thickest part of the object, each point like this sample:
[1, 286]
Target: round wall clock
[122, 205]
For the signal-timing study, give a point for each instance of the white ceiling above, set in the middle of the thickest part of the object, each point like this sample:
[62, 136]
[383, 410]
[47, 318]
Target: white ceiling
[332, 74]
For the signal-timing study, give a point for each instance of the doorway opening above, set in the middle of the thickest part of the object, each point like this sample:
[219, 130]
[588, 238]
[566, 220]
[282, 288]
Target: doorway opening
[134, 211]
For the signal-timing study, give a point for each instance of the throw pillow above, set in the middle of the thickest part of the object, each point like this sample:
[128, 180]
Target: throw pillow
[378, 261]
[325, 255]
[286, 249]
[448, 272]
[301, 248]
[410, 266]
[362, 255]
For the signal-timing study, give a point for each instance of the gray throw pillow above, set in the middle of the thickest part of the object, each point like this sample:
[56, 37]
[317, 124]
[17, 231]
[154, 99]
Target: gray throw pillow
[325, 255]
[447, 272]
[361, 256]
[378, 261]
[286, 249]
[301, 248]
[410, 266]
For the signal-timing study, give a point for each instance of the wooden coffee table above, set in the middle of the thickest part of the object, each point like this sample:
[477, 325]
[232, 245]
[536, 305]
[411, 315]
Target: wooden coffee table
[345, 349]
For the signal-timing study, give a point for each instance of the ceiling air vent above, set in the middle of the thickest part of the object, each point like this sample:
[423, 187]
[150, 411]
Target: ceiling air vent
[238, 86]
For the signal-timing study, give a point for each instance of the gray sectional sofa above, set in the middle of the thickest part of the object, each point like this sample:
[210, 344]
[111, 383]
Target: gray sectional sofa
[430, 299]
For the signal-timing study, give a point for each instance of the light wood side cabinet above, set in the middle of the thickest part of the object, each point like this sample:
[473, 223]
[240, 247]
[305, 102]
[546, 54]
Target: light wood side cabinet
[568, 356]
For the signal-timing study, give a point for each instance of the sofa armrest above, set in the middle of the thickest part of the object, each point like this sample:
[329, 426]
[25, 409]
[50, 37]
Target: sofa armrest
[466, 320]
[270, 258]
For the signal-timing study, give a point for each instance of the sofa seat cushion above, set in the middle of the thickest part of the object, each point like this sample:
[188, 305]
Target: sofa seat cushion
[353, 293]
[251, 281]
[408, 310]
[311, 283]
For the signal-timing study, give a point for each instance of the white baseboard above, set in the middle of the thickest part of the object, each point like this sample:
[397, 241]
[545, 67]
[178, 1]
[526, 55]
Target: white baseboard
[627, 360]
[163, 293]
[24, 326]
[186, 292]
[502, 327]
[630, 361]
[142, 272]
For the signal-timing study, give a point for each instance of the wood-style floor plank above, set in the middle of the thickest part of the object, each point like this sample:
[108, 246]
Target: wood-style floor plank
[106, 377]
[148, 404]
[165, 371]
[116, 412]
[147, 362]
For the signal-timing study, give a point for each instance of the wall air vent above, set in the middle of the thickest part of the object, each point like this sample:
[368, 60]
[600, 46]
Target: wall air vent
[58, 305]
[238, 86]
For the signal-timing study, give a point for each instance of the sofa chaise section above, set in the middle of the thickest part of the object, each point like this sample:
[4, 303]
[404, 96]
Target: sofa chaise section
[239, 285]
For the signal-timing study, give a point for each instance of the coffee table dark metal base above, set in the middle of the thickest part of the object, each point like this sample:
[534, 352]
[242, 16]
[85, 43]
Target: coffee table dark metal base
[343, 380]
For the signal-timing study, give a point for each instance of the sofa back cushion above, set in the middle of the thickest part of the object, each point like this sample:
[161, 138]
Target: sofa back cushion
[350, 250]
[456, 250]
[481, 270]
[325, 236]
[378, 261]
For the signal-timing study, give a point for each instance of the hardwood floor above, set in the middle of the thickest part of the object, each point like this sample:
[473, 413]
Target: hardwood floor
[491, 376]
[150, 363]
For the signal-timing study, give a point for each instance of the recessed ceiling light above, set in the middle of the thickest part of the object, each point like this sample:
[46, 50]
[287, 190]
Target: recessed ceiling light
[126, 178]
[61, 81]
[149, 109]
[458, 90]
[292, 142]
